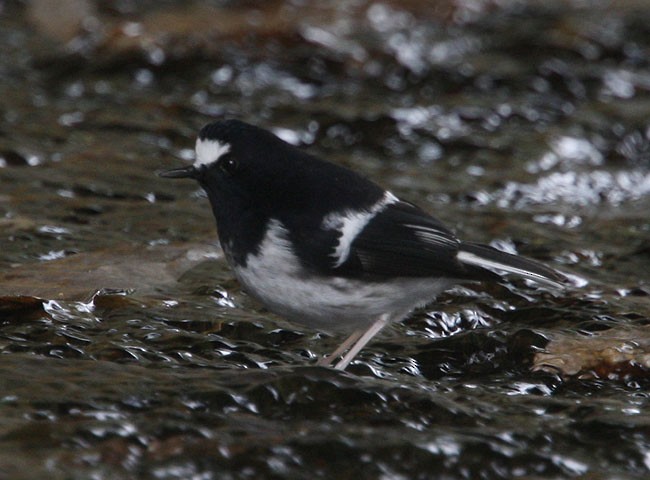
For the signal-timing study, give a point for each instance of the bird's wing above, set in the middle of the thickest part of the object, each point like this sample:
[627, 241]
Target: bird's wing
[402, 240]
[483, 256]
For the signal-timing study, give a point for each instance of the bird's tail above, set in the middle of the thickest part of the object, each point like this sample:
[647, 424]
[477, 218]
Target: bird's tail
[492, 259]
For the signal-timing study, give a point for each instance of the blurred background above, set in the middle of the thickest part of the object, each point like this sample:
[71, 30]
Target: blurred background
[128, 350]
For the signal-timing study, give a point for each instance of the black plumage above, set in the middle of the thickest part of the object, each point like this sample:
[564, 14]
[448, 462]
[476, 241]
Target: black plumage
[323, 245]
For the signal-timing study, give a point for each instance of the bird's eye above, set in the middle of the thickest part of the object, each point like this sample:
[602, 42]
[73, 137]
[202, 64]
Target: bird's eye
[228, 164]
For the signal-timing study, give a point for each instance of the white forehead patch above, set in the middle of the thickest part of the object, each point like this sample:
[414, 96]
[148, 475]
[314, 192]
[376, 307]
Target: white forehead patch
[209, 151]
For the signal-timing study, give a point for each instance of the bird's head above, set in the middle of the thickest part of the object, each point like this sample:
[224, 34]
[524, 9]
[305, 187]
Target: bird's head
[224, 149]
[244, 168]
[237, 162]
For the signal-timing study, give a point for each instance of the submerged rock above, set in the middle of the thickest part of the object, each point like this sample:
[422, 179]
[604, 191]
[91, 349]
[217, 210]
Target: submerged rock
[611, 354]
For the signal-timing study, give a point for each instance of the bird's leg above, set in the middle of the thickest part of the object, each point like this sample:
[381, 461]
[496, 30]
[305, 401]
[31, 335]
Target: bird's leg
[327, 361]
[363, 340]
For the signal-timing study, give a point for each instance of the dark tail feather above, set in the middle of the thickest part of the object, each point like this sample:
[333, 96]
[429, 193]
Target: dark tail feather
[493, 259]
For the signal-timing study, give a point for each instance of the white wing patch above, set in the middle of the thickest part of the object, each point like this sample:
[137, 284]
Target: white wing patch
[472, 259]
[431, 235]
[350, 223]
[209, 151]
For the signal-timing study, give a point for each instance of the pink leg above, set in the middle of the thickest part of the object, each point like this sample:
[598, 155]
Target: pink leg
[327, 361]
[363, 340]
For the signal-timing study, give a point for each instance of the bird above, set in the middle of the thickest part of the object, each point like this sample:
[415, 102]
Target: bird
[325, 247]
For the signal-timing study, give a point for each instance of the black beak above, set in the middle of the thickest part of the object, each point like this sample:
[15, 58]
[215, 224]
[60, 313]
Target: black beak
[182, 172]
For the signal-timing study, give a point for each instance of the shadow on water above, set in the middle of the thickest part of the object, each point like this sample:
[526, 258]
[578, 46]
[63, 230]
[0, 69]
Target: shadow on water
[129, 351]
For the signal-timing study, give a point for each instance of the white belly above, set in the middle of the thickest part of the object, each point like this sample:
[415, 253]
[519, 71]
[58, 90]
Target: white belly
[275, 278]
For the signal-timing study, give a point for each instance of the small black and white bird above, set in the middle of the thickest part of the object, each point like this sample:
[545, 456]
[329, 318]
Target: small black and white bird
[323, 246]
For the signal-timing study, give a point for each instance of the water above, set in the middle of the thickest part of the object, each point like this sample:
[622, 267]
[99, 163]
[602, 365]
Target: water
[129, 351]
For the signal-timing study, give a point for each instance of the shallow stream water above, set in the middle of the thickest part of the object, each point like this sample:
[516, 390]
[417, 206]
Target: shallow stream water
[128, 349]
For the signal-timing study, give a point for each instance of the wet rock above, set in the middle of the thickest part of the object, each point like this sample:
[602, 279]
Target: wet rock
[79, 276]
[62, 20]
[20, 308]
[12, 158]
[618, 353]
